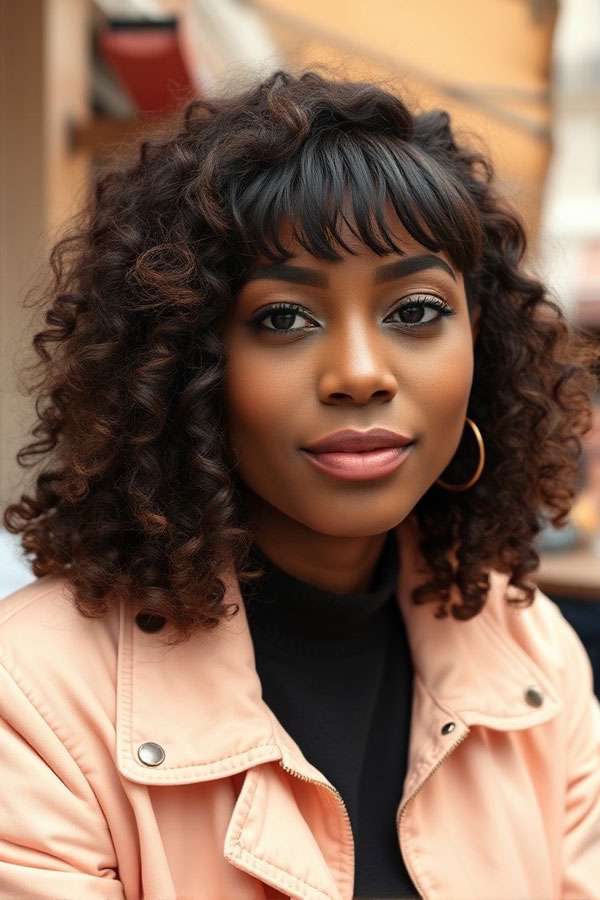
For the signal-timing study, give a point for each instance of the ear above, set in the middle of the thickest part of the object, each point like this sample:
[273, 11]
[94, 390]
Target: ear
[475, 318]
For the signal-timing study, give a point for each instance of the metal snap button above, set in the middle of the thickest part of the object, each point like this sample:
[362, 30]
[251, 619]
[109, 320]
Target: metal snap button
[534, 696]
[149, 622]
[151, 754]
[448, 727]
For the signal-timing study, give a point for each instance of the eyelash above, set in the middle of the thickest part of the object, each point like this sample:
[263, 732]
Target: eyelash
[422, 301]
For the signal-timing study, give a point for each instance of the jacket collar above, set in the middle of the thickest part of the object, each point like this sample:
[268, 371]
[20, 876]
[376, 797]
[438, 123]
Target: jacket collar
[477, 668]
[202, 702]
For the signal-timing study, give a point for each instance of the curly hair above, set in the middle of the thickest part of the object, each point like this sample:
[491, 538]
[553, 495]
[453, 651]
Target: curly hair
[140, 502]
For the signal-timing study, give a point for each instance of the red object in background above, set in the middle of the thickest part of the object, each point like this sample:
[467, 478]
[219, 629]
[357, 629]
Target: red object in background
[146, 58]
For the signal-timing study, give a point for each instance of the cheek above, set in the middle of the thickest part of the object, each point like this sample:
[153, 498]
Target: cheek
[443, 396]
[258, 407]
[445, 389]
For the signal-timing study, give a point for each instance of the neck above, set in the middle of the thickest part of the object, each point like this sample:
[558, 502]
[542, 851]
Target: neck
[342, 565]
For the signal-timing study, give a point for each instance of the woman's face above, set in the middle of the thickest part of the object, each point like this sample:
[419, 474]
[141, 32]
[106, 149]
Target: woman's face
[376, 342]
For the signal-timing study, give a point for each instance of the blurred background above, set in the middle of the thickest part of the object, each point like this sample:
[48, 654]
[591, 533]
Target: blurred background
[82, 80]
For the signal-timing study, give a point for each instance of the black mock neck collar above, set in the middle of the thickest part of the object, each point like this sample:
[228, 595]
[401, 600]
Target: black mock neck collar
[287, 606]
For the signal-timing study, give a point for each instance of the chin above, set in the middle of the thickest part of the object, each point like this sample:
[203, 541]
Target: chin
[363, 523]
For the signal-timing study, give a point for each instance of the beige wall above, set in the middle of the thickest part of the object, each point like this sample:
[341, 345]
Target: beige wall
[43, 83]
[499, 51]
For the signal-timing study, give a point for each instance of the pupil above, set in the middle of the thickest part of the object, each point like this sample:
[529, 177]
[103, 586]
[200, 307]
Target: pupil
[413, 313]
[287, 317]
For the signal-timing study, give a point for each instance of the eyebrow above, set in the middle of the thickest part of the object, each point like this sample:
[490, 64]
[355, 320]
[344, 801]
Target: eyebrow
[410, 265]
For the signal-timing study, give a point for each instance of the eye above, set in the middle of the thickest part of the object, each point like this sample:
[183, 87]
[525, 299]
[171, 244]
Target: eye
[415, 311]
[419, 310]
[282, 316]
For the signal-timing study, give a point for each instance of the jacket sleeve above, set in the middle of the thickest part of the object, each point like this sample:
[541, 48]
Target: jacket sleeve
[581, 845]
[54, 839]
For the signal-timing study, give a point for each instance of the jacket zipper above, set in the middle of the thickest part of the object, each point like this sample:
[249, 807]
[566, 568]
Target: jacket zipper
[400, 816]
[402, 811]
[333, 791]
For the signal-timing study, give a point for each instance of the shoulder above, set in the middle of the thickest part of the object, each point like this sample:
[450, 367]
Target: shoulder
[54, 653]
[43, 615]
[57, 739]
[543, 633]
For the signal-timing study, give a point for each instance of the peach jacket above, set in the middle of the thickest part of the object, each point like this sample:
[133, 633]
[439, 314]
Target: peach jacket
[130, 770]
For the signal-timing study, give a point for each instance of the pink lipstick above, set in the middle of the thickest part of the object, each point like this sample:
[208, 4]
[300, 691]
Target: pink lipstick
[359, 455]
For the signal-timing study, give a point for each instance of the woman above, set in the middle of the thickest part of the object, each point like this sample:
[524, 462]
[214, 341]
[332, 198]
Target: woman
[303, 407]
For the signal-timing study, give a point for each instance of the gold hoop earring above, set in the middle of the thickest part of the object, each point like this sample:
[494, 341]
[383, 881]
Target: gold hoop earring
[476, 476]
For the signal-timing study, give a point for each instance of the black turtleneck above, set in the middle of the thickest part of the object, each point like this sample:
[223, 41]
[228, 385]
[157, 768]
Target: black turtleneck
[336, 671]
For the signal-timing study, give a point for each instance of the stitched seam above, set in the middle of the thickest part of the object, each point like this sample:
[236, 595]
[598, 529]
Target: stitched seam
[426, 882]
[423, 765]
[508, 718]
[443, 705]
[289, 881]
[341, 857]
[125, 671]
[507, 650]
[129, 762]
[293, 881]
[172, 773]
[340, 871]
[426, 761]
[245, 819]
[18, 681]
[272, 719]
[9, 613]
[511, 654]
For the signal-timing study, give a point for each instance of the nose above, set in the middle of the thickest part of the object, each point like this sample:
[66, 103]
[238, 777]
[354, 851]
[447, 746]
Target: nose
[357, 367]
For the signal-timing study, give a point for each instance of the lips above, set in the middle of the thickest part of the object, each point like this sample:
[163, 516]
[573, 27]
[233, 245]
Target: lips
[352, 441]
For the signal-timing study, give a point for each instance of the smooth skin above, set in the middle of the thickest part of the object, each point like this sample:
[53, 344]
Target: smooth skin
[354, 359]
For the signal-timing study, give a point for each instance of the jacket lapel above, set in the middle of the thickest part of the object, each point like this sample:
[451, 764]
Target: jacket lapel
[466, 672]
[201, 702]
[473, 669]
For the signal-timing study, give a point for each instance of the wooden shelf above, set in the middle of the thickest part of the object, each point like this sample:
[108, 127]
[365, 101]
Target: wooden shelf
[103, 135]
[570, 573]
